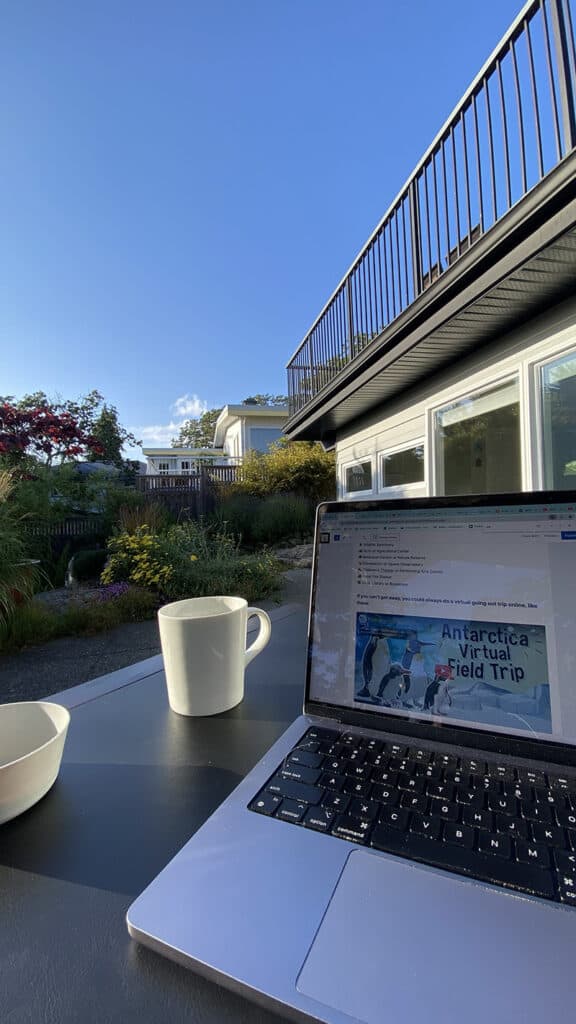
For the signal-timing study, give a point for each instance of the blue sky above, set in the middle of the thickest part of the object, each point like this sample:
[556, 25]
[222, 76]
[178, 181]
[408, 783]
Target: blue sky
[182, 185]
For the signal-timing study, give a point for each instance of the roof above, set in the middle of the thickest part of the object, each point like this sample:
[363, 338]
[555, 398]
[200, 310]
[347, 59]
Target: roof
[182, 452]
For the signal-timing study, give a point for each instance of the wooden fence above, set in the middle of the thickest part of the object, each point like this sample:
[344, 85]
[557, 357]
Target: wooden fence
[71, 526]
[193, 493]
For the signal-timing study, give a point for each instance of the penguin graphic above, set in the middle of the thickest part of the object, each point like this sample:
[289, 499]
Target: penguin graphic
[403, 667]
[375, 663]
[437, 699]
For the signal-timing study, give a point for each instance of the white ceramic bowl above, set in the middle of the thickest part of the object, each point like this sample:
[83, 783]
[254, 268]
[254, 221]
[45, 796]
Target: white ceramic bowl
[32, 736]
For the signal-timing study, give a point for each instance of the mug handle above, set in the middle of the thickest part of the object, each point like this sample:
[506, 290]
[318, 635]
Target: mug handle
[263, 637]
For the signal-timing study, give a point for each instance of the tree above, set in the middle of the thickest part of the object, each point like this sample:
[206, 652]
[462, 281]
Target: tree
[111, 437]
[92, 418]
[41, 433]
[266, 400]
[83, 410]
[198, 433]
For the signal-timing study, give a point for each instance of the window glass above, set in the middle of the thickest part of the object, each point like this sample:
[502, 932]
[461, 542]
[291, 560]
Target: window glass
[405, 467]
[478, 443]
[163, 467]
[185, 465]
[558, 390]
[262, 437]
[359, 477]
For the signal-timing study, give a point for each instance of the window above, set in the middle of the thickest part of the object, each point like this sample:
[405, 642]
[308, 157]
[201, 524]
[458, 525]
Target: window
[185, 466]
[558, 408]
[398, 469]
[262, 437]
[163, 468]
[478, 442]
[359, 476]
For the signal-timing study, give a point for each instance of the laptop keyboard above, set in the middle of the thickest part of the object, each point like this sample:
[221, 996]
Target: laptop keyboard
[490, 820]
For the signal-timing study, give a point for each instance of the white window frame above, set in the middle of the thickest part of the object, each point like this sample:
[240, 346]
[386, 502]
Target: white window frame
[164, 468]
[459, 394]
[534, 370]
[417, 488]
[357, 462]
[185, 466]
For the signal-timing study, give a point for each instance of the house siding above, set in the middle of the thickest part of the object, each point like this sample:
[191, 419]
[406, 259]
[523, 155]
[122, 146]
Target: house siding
[409, 419]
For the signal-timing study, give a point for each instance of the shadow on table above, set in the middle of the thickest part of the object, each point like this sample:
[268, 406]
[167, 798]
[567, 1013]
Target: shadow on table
[113, 827]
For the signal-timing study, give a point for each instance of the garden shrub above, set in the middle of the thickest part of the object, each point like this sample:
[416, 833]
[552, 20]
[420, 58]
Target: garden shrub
[236, 511]
[155, 515]
[138, 557]
[31, 623]
[36, 623]
[272, 519]
[290, 467]
[89, 564]
[283, 517]
[17, 579]
[191, 559]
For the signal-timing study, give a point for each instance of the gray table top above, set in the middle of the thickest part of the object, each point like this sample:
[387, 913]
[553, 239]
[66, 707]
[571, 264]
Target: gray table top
[136, 782]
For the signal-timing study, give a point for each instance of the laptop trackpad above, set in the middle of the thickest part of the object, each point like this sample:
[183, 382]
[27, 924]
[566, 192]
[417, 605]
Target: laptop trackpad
[403, 942]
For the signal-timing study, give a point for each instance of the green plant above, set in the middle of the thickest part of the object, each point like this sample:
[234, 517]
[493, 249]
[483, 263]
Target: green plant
[202, 539]
[252, 577]
[29, 623]
[134, 514]
[297, 467]
[17, 576]
[35, 623]
[237, 511]
[190, 559]
[138, 557]
[266, 520]
[89, 564]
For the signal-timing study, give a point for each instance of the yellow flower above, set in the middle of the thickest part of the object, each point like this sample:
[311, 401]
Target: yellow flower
[193, 558]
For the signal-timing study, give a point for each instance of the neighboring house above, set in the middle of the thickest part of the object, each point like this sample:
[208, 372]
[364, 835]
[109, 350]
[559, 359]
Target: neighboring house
[239, 428]
[445, 360]
[181, 461]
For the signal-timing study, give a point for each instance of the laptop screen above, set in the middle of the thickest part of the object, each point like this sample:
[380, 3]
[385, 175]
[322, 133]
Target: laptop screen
[459, 613]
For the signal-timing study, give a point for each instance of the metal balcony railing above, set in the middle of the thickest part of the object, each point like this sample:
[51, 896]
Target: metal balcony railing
[515, 123]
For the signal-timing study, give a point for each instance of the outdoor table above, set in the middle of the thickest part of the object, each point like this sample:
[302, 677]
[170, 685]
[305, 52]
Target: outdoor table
[136, 782]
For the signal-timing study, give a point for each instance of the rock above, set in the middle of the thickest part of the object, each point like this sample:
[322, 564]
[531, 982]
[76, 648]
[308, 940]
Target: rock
[62, 597]
[297, 557]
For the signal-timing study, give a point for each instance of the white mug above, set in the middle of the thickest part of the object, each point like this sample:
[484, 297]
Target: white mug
[203, 642]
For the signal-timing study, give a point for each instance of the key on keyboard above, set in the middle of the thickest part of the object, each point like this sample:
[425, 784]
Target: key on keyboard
[489, 820]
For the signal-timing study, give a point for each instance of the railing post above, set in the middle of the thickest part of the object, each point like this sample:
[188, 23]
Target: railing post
[350, 307]
[415, 236]
[566, 71]
[311, 364]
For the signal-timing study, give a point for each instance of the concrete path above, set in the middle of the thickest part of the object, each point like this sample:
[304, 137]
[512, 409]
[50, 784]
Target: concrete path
[40, 671]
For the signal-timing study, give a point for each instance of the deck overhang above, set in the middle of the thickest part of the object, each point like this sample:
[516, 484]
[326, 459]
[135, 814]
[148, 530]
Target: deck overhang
[525, 264]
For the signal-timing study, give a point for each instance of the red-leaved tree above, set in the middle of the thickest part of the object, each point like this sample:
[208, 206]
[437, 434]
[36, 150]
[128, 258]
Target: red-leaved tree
[43, 434]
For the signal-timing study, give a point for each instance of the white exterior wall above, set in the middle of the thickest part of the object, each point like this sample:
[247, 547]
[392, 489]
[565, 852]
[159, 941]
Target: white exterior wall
[176, 461]
[233, 446]
[410, 420]
[238, 437]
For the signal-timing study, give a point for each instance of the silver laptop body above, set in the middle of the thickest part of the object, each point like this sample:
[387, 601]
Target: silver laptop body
[442, 643]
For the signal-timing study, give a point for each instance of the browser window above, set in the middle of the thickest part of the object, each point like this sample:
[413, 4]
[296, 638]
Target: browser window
[461, 615]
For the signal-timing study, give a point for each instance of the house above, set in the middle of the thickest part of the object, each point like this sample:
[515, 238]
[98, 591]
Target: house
[181, 461]
[445, 360]
[239, 428]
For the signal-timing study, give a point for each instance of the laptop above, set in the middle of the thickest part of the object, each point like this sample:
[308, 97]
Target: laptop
[407, 849]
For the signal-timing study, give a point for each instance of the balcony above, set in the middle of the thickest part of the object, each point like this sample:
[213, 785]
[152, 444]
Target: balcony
[481, 237]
